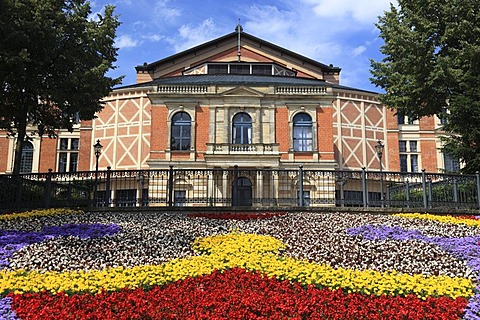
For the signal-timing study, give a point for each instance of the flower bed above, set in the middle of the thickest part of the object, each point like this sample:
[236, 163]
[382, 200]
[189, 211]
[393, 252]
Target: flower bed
[305, 265]
[236, 215]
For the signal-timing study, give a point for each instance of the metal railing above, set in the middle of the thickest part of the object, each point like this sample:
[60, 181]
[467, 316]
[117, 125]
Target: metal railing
[240, 187]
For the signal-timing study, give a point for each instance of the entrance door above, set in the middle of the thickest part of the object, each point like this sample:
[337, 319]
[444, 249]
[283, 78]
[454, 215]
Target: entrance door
[244, 193]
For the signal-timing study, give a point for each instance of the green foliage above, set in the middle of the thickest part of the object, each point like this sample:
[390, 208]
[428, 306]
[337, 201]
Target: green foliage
[441, 193]
[53, 63]
[431, 64]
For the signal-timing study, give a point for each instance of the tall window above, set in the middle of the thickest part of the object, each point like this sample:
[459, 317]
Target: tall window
[26, 161]
[181, 132]
[68, 155]
[408, 156]
[302, 132]
[451, 163]
[242, 129]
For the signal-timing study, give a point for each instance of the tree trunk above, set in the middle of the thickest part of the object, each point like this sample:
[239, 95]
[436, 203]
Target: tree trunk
[21, 135]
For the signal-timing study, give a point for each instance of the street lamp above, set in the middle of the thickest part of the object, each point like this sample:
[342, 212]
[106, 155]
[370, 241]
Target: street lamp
[379, 148]
[97, 147]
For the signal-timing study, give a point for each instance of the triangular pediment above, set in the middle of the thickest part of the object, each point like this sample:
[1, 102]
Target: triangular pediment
[242, 91]
[226, 50]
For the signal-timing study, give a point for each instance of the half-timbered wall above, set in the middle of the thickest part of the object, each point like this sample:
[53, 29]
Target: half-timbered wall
[123, 128]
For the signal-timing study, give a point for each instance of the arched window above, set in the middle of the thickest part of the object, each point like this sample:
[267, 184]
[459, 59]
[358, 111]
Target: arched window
[302, 132]
[242, 129]
[27, 158]
[181, 132]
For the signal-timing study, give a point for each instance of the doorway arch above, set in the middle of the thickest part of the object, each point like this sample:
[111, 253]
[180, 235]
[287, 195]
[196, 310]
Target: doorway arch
[243, 195]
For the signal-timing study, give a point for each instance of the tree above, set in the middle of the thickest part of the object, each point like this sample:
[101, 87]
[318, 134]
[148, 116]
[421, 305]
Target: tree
[53, 64]
[431, 66]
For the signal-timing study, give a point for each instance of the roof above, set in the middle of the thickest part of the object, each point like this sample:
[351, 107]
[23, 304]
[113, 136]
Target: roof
[234, 35]
[238, 80]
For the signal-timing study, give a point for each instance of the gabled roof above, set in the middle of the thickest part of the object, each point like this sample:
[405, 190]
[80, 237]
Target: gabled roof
[234, 35]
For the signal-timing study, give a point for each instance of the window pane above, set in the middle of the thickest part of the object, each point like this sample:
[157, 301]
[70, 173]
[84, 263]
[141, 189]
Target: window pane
[217, 69]
[62, 162]
[73, 161]
[261, 69]
[174, 144]
[413, 146]
[414, 162]
[239, 69]
[402, 146]
[63, 144]
[451, 163]
[242, 129]
[403, 163]
[74, 145]
[26, 161]
[180, 198]
[302, 132]
[180, 131]
[176, 131]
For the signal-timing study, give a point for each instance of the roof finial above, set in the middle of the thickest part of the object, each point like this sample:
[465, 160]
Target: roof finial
[239, 30]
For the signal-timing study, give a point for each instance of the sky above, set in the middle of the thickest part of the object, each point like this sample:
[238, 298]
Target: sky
[338, 32]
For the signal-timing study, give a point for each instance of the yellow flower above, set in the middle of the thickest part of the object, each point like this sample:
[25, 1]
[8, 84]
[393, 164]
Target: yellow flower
[237, 250]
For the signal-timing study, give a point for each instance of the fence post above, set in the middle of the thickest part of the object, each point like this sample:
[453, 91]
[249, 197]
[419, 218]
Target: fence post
[478, 189]
[424, 189]
[364, 187]
[48, 189]
[107, 187]
[300, 186]
[170, 187]
[235, 186]
[407, 190]
[430, 193]
[455, 192]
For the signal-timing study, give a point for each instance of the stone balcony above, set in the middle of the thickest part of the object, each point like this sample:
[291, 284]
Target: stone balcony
[242, 149]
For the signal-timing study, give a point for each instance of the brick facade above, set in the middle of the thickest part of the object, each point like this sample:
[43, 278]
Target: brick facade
[282, 132]
[48, 154]
[135, 125]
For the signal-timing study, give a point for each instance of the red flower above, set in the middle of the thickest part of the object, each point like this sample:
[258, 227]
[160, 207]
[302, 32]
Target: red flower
[233, 294]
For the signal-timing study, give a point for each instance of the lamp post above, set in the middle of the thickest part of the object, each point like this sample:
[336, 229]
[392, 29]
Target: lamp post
[379, 148]
[97, 147]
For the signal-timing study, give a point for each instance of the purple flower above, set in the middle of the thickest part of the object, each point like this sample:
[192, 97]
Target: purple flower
[467, 249]
[12, 241]
[6, 311]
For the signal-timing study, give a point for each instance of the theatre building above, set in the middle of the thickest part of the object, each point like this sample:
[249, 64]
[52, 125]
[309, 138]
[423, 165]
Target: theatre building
[239, 101]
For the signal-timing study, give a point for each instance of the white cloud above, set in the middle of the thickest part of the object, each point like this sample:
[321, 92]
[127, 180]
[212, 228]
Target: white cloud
[363, 11]
[139, 25]
[153, 37]
[163, 11]
[125, 41]
[329, 31]
[191, 36]
[359, 50]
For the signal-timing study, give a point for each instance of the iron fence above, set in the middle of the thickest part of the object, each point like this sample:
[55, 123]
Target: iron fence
[240, 187]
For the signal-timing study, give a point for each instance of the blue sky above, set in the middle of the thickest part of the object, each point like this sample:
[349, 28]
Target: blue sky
[338, 32]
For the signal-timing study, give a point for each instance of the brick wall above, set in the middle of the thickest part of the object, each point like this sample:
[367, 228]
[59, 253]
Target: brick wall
[4, 142]
[202, 123]
[427, 123]
[325, 133]
[85, 146]
[282, 131]
[392, 152]
[159, 134]
[48, 153]
[429, 155]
